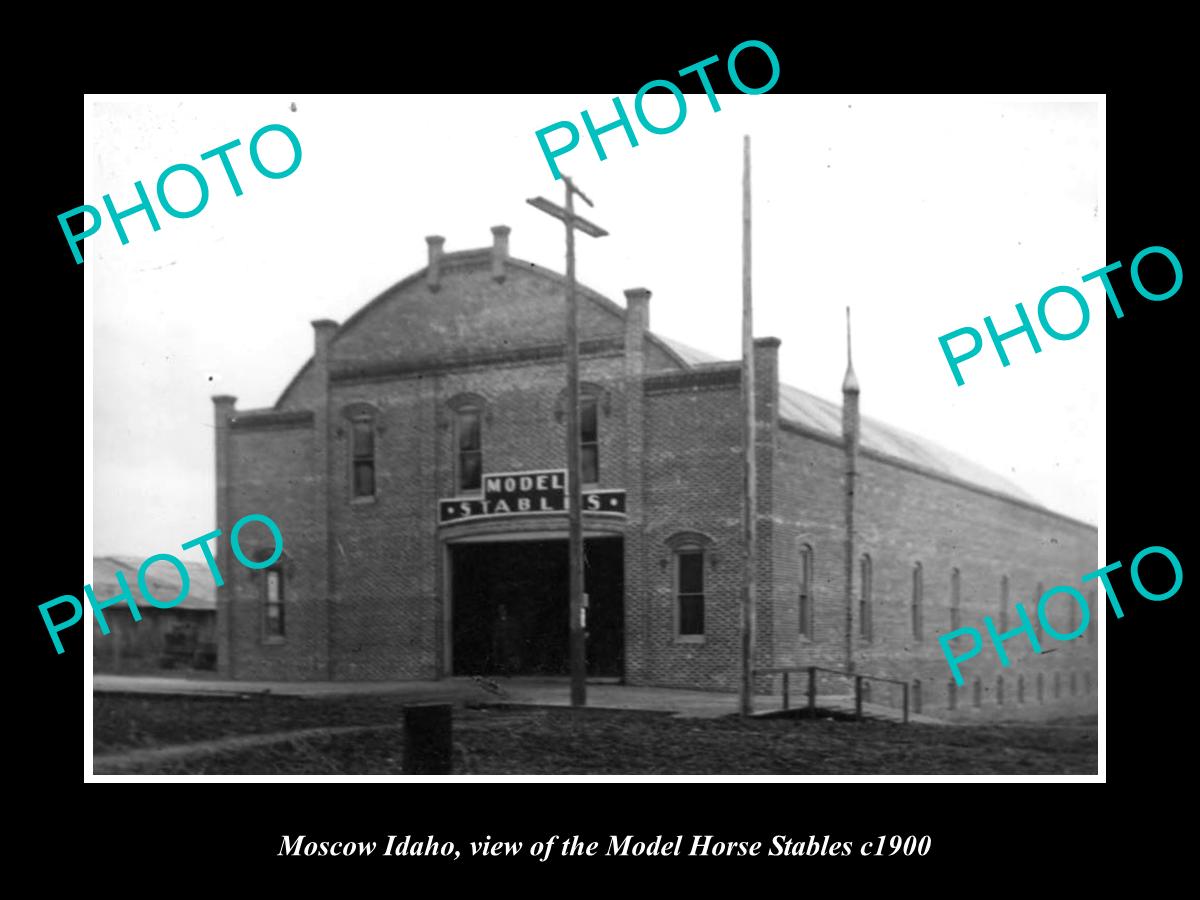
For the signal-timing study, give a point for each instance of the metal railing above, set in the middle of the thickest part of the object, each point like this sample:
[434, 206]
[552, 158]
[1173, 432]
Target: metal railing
[787, 671]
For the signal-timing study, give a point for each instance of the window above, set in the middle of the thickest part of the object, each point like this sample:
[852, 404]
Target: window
[1057, 685]
[1004, 603]
[273, 605]
[999, 690]
[952, 695]
[589, 439]
[955, 599]
[1074, 684]
[1037, 616]
[1020, 689]
[1041, 688]
[866, 616]
[689, 588]
[468, 437]
[916, 695]
[362, 458]
[978, 692]
[918, 596]
[805, 599]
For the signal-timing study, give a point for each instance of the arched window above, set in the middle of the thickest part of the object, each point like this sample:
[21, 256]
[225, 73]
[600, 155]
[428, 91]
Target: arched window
[273, 627]
[1037, 616]
[805, 605]
[589, 439]
[918, 599]
[1003, 603]
[468, 448]
[955, 599]
[691, 551]
[866, 612]
[362, 427]
[594, 400]
[362, 457]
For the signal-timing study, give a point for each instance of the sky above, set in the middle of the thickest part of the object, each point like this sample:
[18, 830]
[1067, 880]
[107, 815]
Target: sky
[924, 214]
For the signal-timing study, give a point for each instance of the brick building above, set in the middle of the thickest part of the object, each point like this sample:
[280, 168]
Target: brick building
[414, 466]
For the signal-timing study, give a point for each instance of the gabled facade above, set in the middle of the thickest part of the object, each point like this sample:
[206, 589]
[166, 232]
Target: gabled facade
[414, 467]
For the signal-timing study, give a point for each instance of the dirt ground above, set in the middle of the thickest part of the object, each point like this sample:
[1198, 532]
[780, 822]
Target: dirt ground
[526, 740]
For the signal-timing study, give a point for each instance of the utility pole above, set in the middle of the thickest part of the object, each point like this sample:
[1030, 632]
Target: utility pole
[578, 648]
[750, 468]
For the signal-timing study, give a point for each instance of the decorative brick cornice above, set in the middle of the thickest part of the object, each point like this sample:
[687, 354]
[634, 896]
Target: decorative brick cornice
[373, 370]
[269, 419]
[694, 379]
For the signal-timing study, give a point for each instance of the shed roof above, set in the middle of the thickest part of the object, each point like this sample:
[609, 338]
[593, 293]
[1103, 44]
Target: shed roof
[161, 578]
[819, 415]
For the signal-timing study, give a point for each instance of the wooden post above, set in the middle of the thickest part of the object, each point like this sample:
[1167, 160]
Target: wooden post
[427, 742]
[749, 467]
[812, 691]
[574, 494]
[578, 647]
[858, 679]
[785, 689]
[906, 703]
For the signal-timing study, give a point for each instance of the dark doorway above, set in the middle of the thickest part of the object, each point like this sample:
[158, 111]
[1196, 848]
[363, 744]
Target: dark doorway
[511, 610]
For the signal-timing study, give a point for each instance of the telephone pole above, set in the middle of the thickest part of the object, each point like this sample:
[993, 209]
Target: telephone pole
[578, 648]
[750, 468]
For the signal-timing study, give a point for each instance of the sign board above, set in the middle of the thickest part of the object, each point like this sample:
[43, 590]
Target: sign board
[526, 493]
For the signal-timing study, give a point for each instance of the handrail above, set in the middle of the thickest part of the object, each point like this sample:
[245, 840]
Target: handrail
[787, 671]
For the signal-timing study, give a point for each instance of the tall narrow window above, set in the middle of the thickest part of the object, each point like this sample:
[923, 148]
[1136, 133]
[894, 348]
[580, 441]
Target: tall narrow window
[273, 607]
[805, 599]
[1041, 688]
[589, 439]
[1036, 616]
[977, 690]
[952, 695]
[866, 612]
[916, 696]
[999, 690]
[918, 598]
[1020, 688]
[363, 458]
[1004, 603]
[689, 584]
[955, 599]
[469, 439]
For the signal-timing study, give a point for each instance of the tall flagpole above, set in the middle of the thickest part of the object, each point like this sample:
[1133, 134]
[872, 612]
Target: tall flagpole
[750, 474]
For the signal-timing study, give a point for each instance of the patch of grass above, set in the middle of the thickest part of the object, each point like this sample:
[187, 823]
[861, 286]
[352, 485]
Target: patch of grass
[135, 721]
[521, 740]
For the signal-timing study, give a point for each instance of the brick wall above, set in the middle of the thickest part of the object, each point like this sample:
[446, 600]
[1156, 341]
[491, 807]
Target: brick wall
[672, 438]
